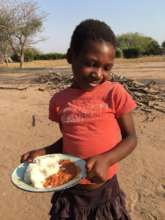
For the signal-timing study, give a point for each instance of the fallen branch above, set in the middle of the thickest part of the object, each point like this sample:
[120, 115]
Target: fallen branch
[13, 88]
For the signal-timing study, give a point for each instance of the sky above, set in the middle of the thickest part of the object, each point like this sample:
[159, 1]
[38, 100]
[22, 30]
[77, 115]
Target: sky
[143, 16]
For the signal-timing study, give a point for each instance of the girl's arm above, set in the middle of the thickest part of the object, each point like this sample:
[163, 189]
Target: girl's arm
[128, 143]
[56, 147]
[100, 164]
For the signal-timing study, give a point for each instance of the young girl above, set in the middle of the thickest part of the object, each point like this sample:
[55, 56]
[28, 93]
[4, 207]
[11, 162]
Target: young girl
[95, 119]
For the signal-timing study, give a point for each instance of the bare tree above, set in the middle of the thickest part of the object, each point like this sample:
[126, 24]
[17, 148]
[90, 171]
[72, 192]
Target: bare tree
[5, 50]
[20, 21]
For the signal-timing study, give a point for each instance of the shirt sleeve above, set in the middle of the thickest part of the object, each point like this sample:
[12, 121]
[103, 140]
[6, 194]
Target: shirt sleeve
[53, 110]
[123, 102]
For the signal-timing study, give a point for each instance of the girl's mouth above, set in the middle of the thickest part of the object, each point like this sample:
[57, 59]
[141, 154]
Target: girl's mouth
[95, 83]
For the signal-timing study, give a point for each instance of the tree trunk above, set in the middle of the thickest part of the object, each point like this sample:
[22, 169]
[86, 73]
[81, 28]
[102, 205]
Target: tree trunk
[21, 59]
[22, 50]
[6, 61]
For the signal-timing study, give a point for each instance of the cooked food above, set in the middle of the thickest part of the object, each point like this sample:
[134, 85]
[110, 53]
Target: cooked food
[49, 172]
[68, 170]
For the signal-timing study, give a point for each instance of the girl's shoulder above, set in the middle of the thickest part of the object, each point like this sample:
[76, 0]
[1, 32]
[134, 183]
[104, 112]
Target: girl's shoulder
[61, 94]
[114, 87]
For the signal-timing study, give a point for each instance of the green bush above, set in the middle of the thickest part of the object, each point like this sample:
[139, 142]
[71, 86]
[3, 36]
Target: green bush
[30, 54]
[33, 54]
[146, 45]
[15, 58]
[153, 49]
[131, 53]
[119, 53]
[50, 56]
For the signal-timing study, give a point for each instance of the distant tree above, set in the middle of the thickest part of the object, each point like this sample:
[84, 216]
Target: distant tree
[153, 48]
[20, 21]
[138, 41]
[163, 44]
[4, 48]
[131, 53]
[163, 47]
[119, 53]
[29, 55]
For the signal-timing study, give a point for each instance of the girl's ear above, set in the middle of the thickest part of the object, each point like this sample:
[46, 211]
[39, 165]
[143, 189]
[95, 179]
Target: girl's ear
[69, 56]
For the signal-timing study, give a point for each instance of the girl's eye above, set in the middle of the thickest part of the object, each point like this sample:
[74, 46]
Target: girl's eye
[90, 64]
[107, 68]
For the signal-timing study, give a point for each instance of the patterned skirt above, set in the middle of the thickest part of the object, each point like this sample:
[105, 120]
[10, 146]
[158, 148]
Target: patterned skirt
[77, 203]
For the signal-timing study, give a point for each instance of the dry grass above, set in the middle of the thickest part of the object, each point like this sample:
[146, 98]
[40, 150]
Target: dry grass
[39, 64]
[63, 62]
[141, 59]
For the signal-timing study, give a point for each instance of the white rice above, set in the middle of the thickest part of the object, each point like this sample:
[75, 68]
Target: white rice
[40, 169]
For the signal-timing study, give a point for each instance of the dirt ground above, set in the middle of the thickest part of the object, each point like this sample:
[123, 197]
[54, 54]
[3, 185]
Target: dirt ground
[141, 175]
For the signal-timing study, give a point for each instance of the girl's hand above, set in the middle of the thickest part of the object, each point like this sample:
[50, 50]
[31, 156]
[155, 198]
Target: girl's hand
[97, 168]
[29, 156]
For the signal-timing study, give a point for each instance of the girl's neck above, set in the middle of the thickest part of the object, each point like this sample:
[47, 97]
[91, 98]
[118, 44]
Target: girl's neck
[74, 86]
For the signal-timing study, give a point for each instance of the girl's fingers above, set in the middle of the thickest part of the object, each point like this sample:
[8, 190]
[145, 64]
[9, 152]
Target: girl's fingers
[90, 169]
[28, 157]
[31, 157]
[89, 165]
[94, 176]
[91, 174]
[97, 179]
[24, 157]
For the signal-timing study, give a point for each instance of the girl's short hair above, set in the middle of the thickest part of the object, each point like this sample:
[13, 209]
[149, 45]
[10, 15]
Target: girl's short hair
[93, 30]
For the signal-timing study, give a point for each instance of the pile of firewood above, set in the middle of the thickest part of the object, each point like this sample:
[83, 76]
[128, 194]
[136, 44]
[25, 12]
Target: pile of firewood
[147, 96]
[55, 80]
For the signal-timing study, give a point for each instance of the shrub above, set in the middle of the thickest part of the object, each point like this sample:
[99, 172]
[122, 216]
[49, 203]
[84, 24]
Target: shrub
[119, 53]
[30, 54]
[146, 45]
[50, 56]
[153, 49]
[15, 58]
[131, 53]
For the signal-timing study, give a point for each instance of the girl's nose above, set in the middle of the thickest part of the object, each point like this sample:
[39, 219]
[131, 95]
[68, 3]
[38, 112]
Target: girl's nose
[97, 74]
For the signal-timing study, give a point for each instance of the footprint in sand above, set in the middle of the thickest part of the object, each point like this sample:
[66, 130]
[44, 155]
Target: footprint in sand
[150, 216]
[133, 201]
[161, 189]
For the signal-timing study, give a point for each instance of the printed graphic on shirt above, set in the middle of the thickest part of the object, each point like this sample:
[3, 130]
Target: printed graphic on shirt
[85, 111]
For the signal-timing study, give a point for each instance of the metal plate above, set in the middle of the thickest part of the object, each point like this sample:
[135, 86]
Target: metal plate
[18, 174]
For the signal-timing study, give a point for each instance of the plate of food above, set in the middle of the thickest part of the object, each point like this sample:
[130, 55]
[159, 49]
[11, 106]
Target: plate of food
[52, 172]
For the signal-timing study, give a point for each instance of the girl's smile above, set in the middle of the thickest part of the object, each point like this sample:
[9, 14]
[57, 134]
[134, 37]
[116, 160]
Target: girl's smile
[92, 65]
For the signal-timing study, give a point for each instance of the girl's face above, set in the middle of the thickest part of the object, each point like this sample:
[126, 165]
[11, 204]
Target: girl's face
[92, 66]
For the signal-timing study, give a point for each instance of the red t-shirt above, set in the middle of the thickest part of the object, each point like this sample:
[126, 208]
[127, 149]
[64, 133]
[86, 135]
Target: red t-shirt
[88, 119]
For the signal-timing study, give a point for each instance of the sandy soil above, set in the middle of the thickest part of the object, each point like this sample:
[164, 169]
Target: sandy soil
[141, 175]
